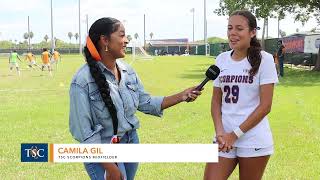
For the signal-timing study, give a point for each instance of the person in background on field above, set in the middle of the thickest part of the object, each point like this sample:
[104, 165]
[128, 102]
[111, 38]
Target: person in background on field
[45, 56]
[276, 62]
[281, 52]
[31, 60]
[56, 58]
[241, 100]
[14, 56]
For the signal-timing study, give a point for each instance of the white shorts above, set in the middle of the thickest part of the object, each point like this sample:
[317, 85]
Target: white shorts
[13, 64]
[52, 61]
[33, 62]
[46, 65]
[247, 152]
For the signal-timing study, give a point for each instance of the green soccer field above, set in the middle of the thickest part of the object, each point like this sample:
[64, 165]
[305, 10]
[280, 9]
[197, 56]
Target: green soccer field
[34, 108]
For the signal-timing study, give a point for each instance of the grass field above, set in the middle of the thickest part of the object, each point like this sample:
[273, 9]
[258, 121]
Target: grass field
[35, 108]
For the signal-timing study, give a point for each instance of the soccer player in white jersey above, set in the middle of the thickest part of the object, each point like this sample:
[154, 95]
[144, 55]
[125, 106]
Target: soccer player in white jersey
[242, 98]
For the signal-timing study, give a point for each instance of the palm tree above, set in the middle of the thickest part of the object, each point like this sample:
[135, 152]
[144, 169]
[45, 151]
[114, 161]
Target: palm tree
[129, 37]
[46, 37]
[70, 36]
[31, 35]
[151, 35]
[136, 35]
[76, 35]
[26, 36]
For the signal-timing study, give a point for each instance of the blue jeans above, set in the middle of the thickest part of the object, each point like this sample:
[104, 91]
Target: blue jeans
[128, 170]
[281, 59]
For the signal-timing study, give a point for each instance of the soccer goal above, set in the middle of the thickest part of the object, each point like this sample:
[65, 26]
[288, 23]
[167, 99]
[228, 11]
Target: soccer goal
[138, 53]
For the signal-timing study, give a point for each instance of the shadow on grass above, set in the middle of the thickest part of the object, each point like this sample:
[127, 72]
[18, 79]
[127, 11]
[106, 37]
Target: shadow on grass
[199, 76]
[300, 77]
[198, 69]
[206, 64]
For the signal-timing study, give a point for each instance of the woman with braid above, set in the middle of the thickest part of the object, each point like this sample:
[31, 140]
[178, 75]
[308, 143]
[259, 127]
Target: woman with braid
[242, 98]
[106, 93]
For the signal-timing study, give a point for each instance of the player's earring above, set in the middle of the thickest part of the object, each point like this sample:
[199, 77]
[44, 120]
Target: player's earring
[107, 49]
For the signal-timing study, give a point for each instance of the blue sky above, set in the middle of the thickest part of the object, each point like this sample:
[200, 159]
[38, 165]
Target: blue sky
[165, 18]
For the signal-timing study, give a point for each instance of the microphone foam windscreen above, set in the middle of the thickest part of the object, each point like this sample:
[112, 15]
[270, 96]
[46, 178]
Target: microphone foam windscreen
[213, 72]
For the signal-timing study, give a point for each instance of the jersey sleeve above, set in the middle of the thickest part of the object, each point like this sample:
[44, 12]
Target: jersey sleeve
[268, 72]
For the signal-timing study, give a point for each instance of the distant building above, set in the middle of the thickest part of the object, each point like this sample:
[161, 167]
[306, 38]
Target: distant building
[302, 42]
[172, 46]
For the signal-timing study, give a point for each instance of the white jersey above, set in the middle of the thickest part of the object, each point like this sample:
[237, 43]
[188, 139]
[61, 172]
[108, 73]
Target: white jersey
[241, 96]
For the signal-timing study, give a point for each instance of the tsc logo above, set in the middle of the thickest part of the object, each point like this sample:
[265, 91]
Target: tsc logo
[34, 152]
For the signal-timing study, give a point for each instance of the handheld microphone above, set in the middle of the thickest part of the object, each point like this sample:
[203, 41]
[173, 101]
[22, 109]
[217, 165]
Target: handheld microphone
[211, 74]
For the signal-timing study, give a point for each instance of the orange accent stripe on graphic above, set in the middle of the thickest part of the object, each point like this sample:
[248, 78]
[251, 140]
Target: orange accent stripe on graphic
[51, 153]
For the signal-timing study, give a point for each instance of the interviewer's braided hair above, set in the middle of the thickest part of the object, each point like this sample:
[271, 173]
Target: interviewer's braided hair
[103, 26]
[254, 51]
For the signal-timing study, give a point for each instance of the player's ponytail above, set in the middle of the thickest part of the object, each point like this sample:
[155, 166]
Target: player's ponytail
[254, 55]
[103, 26]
